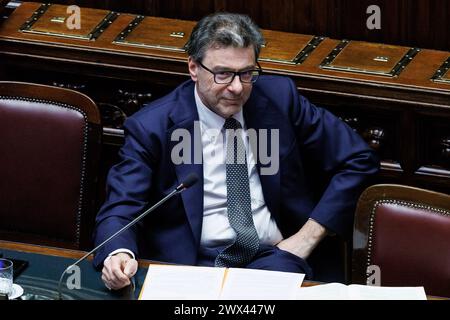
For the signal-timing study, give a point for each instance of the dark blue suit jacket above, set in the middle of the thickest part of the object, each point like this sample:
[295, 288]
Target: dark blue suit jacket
[324, 166]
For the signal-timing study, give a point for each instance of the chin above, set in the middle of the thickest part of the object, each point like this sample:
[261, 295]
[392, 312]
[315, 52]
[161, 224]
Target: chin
[231, 109]
[230, 112]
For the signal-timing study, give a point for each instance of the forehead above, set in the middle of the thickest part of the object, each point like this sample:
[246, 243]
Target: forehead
[230, 57]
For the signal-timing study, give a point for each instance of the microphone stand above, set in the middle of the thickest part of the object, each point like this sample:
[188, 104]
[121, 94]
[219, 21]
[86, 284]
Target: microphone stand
[178, 190]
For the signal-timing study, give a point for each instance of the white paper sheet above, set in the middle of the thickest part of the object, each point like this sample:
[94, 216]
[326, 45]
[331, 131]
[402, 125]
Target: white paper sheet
[338, 291]
[250, 284]
[182, 283]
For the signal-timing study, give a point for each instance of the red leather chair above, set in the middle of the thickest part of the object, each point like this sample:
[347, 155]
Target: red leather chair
[50, 144]
[405, 231]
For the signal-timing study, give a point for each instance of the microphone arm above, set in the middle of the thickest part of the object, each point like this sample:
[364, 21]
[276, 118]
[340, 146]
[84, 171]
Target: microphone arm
[190, 180]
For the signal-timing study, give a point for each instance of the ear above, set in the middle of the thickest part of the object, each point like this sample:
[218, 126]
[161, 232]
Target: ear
[193, 69]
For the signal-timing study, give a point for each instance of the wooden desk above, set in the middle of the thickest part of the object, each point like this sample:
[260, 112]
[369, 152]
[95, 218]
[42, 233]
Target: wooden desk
[91, 290]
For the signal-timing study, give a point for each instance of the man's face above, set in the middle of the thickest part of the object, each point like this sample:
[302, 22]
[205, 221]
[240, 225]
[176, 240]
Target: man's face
[223, 99]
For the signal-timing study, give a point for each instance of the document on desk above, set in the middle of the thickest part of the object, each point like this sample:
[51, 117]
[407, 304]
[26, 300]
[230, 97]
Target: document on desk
[164, 282]
[251, 284]
[339, 291]
[208, 283]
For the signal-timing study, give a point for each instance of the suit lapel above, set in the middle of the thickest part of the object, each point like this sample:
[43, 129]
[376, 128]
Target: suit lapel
[258, 115]
[185, 117]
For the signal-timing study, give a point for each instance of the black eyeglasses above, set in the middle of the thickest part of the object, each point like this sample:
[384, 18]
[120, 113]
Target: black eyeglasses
[226, 77]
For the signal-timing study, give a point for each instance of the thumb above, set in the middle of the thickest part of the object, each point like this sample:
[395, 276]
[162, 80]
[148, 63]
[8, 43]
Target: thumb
[131, 267]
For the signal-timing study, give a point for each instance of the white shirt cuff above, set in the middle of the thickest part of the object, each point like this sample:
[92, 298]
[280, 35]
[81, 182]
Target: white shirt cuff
[119, 251]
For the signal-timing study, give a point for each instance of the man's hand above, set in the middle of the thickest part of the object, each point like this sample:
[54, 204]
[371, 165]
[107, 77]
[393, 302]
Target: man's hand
[304, 241]
[118, 269]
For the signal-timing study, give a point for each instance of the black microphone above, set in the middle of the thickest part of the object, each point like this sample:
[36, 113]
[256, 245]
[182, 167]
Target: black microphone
[191, 179]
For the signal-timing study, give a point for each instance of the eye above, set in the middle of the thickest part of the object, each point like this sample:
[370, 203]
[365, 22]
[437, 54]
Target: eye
[224, 74]
[246, 75]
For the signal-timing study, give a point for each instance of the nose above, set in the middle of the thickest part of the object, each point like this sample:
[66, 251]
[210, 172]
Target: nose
[236, 85]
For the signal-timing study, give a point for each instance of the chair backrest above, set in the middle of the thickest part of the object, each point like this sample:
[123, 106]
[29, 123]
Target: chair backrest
[405, 231]
[49, 156]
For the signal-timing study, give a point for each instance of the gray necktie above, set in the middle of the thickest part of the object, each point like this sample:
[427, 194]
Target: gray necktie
[239, 208]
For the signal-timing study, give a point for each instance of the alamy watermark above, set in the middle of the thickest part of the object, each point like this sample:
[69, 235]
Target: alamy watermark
[190, 150]
[373, 273]
[74, 20]
[374, 20]
[74, 280]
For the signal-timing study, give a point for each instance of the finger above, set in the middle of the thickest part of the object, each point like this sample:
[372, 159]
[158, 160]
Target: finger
[116, 270]
[109, 276]
[131, 267]
[106, 282]
[106, 274]
[107, 266]
[111, 282]
[119, 277]
[116, 284]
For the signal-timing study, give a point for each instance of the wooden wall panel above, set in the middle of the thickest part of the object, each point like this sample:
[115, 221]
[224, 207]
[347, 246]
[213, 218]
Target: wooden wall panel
[421, 23]
[429, 23]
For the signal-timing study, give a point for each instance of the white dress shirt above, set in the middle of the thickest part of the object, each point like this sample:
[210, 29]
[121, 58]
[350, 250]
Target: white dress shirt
[216, 229]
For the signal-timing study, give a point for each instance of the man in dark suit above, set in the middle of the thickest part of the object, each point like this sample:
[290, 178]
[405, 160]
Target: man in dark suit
[260, 212]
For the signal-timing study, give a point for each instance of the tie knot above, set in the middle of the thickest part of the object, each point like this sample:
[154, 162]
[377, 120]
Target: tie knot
[231, 123]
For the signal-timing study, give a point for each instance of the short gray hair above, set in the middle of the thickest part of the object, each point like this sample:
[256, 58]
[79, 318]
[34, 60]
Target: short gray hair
[224, 29]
